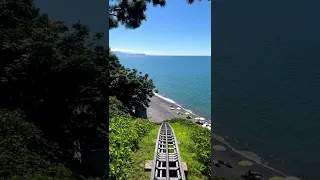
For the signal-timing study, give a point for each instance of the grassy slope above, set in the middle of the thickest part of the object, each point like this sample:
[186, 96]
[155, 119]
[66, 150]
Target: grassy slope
[183, 135]
[146, 152]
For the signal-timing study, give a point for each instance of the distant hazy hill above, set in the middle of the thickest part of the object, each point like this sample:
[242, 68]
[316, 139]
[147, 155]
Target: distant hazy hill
[126, 53]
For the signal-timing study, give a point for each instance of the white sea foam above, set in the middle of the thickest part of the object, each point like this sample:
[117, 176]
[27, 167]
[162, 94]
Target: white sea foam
[173, 102]
[166, 99]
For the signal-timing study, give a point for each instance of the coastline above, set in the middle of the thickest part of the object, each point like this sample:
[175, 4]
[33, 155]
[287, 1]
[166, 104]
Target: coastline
[159, 110]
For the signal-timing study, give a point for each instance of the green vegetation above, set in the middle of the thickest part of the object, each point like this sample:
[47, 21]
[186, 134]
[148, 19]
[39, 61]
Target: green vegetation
[195, 147]
[24, 151]
[143, 153]
[56, 77]
[125, 134]
[55, 83]
[188, 155]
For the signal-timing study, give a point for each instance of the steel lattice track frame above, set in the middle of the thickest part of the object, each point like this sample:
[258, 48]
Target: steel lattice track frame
[167, 164]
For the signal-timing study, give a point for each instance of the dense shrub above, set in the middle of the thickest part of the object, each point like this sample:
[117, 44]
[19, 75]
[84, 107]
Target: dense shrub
[125, 134]
[24, 153]
[116, 108]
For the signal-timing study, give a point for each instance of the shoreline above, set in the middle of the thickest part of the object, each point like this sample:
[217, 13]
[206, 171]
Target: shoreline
[175, 104]
[222, 141]
[159, 110]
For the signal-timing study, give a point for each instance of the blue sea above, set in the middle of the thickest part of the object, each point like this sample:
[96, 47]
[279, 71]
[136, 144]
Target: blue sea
[269, 109]
[186, 80]
[266, 88]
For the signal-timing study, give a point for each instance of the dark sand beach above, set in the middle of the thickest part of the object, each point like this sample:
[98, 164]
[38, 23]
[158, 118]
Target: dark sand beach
[159, 111]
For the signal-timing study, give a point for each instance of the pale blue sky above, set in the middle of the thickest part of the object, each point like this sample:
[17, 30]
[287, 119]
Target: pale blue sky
[177, 29]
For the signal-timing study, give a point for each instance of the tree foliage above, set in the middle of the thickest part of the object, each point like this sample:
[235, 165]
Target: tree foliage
[116, 108]
[61, 79]
[24, 151]
[131, 13]
[133, 89]
[54, 75]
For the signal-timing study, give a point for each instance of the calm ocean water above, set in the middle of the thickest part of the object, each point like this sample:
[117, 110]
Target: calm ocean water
[185, 80]
[266, 64]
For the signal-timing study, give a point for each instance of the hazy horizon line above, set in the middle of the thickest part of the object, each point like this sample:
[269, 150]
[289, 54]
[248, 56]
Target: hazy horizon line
[126, 51]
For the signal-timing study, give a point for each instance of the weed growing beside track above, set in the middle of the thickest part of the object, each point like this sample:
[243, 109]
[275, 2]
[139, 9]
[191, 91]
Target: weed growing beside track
[143, 153]
[125, 134]
[195, 147]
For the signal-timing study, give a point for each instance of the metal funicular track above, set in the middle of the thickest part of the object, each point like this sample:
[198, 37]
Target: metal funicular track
[167, 164]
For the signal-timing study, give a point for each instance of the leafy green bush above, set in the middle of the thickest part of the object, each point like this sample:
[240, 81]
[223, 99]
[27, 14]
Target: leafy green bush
[25, 154]
[202, 144]
[116, 107]
[125, 134]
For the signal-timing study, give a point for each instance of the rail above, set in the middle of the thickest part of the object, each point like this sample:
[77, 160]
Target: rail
[167, 164]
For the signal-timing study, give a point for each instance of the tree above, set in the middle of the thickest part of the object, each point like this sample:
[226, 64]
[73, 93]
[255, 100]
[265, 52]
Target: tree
[133, 89]
[131, 13]
[25, 154]
[56, 76]
[61, 79]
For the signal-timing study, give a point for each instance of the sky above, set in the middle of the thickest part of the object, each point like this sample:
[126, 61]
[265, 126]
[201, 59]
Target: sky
[177, 29]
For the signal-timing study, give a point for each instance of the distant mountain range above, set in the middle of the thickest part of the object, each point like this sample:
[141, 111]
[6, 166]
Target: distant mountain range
[127, 53]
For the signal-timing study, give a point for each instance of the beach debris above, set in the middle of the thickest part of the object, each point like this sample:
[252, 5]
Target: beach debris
[172, 108]
[208, 127]
[221, 162]
[255, 173]
[187, 113]
[178, 108]
[291, 178]
[245, 163]
[202, 119]
[218, 148]
[216, 163]
[204, 125]
[276, 178]
[228, 165]
[197, 118]
[251, 175]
